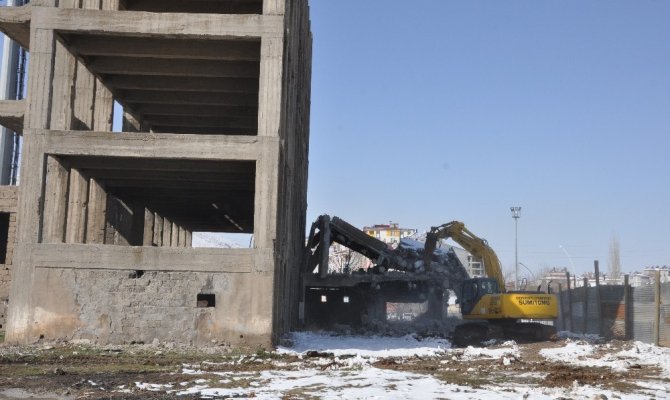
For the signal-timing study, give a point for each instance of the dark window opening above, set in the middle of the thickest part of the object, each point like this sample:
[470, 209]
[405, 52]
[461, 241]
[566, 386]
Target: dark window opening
[196, 6]
[4, 236]
[206, 300]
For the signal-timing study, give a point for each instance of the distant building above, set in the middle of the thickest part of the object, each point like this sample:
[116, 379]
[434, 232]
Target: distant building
[638, 279]
[391, 233]
[664, 272]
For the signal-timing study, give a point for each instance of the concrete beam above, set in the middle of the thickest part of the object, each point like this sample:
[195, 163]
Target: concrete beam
[170, 49]
[198, 6]
[141, 258]
[189, 98]
[221, 123]
[174, 146]
[197, 110]
[182, 68]
[146, 24]
[195, 84]
[15, 23]
[11, 114]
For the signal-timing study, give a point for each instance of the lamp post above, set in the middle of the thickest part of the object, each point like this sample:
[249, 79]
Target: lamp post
[515, 214]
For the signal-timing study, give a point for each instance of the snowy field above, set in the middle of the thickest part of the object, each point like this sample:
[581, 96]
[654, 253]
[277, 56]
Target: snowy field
[321, 365]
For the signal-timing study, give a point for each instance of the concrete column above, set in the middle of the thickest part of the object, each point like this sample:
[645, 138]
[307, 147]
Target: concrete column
[103, 116]
[148, 227]
[97, 210]
[174, 238]
[20, 320]
[270, 86]
[273, 7]
[158, 230]
[55, 201]
[182, 237]
[75, 228]
[167, 232]
[131, 124]
[189, 239]
[109, 5]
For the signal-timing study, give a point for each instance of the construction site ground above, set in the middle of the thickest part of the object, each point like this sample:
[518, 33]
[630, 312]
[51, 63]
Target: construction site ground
[334, 366]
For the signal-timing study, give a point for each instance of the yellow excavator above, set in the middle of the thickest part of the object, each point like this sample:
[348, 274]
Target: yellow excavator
[493, 312]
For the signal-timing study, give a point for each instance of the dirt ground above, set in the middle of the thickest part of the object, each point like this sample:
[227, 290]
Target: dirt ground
[69, 371]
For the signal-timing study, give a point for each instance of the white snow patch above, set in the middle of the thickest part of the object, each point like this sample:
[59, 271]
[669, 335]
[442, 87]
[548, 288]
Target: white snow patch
[582, 354]
[365, 346]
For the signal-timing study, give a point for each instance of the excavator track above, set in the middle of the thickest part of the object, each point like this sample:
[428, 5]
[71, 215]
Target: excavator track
[475, 333]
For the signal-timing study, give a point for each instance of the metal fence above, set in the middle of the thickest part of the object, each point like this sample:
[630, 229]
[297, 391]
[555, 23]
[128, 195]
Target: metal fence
[618, 311]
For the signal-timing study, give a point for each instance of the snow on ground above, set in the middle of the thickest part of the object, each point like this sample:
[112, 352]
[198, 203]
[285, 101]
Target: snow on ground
[585, 354]
[365, 346]
[351, 373]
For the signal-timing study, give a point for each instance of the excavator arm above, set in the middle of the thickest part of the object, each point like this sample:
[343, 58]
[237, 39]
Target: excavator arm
[476, 246]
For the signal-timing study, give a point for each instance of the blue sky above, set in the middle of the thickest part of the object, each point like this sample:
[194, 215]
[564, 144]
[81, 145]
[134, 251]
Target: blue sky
[429, 111]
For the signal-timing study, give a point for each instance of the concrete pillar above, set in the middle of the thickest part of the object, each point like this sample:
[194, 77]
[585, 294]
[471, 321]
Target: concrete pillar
[167, 232]
[174, 238]
[273, 7]
[182, 237]
[97, 210]
[109, 4]
[158, 230]
[55, 201]
[148, 227]
[75, 228]
[189, 239]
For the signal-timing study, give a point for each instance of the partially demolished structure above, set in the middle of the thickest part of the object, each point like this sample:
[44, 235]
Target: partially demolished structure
[215, 98]
[360, 297]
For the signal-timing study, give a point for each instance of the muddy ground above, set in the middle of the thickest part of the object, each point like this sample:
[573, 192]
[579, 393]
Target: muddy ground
[72, 371]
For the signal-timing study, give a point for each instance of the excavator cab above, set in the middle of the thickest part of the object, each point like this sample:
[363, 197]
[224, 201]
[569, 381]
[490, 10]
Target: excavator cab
[473, 289]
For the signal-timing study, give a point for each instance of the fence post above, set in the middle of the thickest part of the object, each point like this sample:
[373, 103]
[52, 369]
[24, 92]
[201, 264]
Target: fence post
[560, 294]
[599, 303]
[626, 308]
[572, 327]
[586, 305]
[657, 307]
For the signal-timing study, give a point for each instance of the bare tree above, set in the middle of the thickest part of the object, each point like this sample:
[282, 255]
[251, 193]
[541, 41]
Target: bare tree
[615, 258]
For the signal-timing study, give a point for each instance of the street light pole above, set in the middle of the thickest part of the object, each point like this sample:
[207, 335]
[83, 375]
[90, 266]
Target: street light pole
[515, 214]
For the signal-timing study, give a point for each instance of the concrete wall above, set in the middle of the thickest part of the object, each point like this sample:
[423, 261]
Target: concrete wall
[101, 262]
[8, 202]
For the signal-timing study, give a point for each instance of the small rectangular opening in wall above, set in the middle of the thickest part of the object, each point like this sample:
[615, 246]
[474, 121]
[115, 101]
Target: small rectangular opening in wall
[4, 235]
[206, 300]
[137, 274]
[345, 299]
[324, 298]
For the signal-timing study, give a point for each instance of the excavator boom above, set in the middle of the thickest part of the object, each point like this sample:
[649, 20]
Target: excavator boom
[479, 248]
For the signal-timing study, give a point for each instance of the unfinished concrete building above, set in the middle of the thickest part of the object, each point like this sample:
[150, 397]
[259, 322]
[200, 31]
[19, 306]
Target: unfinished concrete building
[215, 98]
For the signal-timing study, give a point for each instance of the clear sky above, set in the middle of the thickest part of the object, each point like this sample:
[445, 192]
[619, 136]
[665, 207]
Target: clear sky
[429, 111]
[433, 110]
